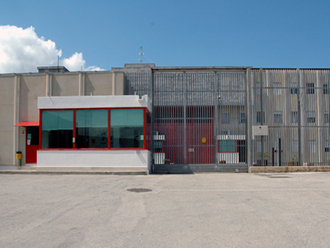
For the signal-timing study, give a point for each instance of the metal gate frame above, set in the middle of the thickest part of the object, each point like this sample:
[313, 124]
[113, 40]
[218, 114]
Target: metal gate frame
[215, 166]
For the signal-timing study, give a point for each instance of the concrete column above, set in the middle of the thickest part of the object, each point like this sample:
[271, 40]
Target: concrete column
[82, 83]
[16, 117]
[49, 84]
[113, 84]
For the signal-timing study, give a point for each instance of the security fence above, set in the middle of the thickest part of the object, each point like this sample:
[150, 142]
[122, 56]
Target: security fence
[294, 104]
[205, 116]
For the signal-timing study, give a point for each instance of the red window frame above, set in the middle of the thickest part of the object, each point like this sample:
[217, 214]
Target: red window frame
[109, 130]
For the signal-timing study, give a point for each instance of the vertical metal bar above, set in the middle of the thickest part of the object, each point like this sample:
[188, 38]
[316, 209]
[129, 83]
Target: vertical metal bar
[152, 120]
[248, 116]
[184, 118]
[261, 119]
[299, 119]
[215, 117]
[279, 152]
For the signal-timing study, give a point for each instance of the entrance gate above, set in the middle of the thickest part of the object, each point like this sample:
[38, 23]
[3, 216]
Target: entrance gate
[199, 120]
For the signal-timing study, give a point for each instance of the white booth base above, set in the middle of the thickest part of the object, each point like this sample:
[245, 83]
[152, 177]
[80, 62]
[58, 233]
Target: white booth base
[112, 161]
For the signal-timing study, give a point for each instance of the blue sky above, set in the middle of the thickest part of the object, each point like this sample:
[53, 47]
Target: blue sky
[181, 33]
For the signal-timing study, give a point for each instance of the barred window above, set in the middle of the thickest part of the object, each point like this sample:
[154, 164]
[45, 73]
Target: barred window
[310, 88]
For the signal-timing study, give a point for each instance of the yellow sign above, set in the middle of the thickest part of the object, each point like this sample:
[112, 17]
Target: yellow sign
[204, 140]
[18, 155]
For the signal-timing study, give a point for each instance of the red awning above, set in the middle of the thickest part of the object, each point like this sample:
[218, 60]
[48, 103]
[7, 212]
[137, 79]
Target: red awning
[27, 124]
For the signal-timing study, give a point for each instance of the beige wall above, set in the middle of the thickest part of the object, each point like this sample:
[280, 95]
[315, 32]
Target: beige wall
[19, 96]
[31, 86]
[101, 83]
[65, 84]
[7, 110]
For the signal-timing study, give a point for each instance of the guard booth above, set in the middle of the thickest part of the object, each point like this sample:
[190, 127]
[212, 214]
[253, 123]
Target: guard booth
[105, 133]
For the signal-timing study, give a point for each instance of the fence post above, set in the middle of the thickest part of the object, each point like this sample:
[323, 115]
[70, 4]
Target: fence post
[299, 119]
[152, 121]
[249, 118]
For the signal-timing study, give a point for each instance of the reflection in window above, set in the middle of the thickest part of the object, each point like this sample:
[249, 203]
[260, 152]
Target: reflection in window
[32, 135]
[127, 128]
[57, 129]
[227, 145]
[92, 128]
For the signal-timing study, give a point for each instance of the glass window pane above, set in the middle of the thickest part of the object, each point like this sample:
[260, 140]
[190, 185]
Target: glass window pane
[127, 128]
[231, 145]
[222, 145]
[57, 129]
[92, 128]
[227, 145]
[158, 145]
[310, 88]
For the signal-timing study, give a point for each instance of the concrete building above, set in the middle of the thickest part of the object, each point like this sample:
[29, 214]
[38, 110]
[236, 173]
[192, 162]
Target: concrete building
[202, 118]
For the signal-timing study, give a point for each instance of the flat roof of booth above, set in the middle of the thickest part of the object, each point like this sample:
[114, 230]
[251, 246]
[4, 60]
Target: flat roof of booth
[79, 102]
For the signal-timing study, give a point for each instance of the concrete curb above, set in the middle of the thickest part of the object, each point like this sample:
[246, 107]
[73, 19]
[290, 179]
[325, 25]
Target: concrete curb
[31, 172]
[282, 169]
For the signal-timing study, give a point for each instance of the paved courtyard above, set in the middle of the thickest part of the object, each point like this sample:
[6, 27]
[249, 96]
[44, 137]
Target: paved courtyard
[201, 210]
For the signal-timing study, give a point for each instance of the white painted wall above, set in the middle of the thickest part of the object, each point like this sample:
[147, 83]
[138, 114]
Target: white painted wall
[159, 158]
[230, 158]
[61, 102]
[107, 159]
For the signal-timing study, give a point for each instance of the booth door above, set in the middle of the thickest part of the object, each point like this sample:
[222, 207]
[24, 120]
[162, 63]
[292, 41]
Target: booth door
[32, 144]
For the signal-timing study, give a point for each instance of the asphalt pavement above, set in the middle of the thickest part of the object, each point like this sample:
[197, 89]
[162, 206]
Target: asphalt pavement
[195, 210]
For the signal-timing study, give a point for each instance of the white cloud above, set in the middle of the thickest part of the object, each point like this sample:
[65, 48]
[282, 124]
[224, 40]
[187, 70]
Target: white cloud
[76, 63]
[21, 50]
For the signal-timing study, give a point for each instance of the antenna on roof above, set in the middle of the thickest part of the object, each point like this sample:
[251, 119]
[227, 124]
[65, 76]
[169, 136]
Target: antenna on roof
[58, 54]
[141, 53]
